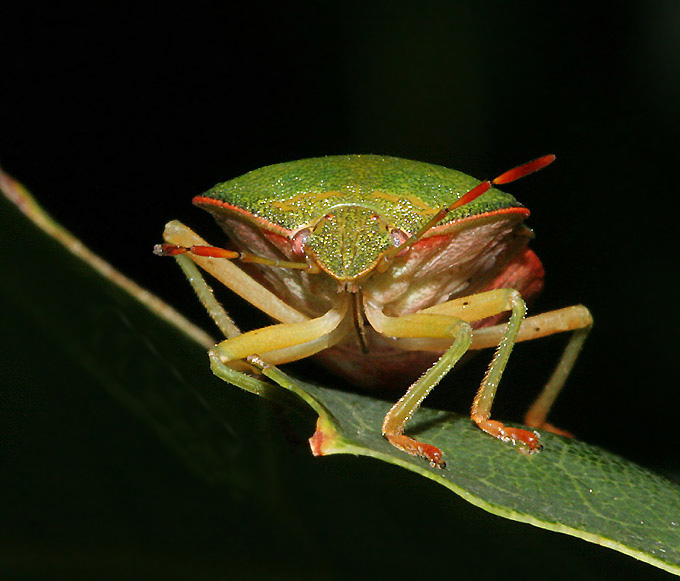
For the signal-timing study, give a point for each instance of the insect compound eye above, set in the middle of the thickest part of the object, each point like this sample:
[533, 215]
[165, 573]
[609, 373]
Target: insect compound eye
[299, 240]
[398, 236]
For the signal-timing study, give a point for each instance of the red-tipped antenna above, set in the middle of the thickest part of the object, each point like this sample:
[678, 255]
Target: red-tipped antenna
[474, 193]
[505, 178]
[524, 170]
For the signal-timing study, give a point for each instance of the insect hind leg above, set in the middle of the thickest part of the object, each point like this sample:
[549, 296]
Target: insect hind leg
[577, 319]
[538, 411]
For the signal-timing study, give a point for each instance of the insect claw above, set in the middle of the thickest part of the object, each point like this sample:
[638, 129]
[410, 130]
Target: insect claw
[529, 445]
[528, 451]
[433, 454]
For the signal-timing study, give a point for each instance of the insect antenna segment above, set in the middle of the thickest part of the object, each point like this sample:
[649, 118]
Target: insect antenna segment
[216, 252]
[505, 178]
[523, 170]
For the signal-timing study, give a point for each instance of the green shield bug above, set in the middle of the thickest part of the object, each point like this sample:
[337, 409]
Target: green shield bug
[387, 270]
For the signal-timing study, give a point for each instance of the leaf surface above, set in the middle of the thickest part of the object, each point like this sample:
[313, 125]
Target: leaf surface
[570, 487]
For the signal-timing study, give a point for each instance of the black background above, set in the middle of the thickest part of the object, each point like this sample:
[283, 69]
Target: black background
[114, 116]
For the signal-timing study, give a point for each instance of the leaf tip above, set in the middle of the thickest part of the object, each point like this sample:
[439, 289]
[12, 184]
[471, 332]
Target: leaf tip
[323, 440]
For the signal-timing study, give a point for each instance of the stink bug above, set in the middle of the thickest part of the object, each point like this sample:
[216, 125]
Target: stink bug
[387, 270]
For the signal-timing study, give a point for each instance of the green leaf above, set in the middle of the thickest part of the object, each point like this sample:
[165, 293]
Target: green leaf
[571, 487]
[147, 357]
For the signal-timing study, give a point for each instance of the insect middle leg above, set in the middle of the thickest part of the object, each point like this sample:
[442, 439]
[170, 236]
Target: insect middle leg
[575, 318]
[477, 307]
[436, 322]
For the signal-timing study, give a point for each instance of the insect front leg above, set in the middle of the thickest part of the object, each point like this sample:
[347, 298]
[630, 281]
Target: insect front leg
[281, 343]
[286, 341]
[236, 373]
[262, 348]
[231, 276]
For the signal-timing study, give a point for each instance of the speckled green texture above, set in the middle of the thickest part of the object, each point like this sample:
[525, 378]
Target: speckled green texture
[349, 242]
[405, 193]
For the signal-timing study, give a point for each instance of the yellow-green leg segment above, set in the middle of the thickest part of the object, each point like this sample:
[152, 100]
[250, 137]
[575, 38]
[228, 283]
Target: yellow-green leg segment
[423, 326]
[283, 342]
[451, 319]
[576, 319]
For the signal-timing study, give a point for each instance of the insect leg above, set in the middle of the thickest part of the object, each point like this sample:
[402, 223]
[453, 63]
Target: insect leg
[283, 342]
[232, 276]
[477, 307]
[235, 374]
[417, 325]
[576, 318]
[289, 340]
[283, 336]
[481, 406]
